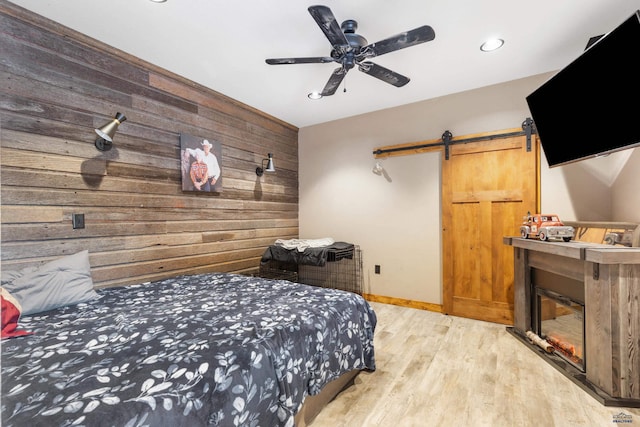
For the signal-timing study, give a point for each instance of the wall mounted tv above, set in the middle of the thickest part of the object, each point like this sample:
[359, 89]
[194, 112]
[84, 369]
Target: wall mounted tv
[592, 106]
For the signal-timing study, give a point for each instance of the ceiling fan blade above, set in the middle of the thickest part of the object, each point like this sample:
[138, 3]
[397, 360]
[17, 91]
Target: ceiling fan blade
[334, 81]
[328, 24]
[310, 60]
[384, 74]
[402, 40]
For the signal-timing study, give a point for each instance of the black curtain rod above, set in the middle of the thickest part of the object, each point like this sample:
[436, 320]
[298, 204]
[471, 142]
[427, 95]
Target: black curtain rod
[446, 140]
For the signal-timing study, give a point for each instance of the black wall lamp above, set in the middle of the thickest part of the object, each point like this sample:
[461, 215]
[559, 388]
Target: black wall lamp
[106, 132]
[269, 166]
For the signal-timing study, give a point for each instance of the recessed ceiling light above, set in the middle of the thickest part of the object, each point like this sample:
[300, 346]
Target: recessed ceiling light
[158, 1]
[314, 95]
[491, 44]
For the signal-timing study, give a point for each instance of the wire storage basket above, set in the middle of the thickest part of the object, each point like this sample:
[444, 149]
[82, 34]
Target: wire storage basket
[343, 270]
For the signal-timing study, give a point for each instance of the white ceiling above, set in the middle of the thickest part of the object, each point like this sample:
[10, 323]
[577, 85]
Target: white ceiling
[222, 44]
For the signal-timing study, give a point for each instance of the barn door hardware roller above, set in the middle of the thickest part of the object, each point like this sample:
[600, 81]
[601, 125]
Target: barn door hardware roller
[447, 136]
[529, 128]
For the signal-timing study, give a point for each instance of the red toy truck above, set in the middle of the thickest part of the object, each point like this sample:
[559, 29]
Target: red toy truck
[545, 227]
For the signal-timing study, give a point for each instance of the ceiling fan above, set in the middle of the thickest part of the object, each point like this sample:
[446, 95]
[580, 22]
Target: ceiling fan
[350, 49]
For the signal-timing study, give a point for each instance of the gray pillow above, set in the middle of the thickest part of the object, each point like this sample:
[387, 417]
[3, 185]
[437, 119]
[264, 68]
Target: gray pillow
[65, 281]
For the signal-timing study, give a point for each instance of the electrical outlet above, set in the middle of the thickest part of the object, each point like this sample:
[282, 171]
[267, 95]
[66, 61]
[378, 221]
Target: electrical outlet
[77, 220]
[377, 269]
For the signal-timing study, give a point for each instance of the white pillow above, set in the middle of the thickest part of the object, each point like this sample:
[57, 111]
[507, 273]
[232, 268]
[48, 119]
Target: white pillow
[65, 281]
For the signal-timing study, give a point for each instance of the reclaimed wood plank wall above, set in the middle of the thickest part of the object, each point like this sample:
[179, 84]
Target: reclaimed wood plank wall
[57, 86]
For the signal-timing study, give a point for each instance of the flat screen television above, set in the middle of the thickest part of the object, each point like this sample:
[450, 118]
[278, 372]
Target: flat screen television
[592, 106]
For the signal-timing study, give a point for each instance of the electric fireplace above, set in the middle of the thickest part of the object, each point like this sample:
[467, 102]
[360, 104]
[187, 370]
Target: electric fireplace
[557, 314]
[559, 320]
[576, 305]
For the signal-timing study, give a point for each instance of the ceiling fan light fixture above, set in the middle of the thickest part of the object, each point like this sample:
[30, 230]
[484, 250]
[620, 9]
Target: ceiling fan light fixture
[314, 95]
[491, 45]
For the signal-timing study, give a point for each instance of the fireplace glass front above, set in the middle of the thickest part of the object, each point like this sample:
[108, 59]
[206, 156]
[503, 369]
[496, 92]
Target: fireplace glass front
[561, 323]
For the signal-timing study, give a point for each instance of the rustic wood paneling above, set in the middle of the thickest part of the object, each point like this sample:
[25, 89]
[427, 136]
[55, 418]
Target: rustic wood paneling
[57, 86]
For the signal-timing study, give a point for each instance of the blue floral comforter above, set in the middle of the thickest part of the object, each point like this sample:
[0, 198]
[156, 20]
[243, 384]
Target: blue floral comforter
[209, 349]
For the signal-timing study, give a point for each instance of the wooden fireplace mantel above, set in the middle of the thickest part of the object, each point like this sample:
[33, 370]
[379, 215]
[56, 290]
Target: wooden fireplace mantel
[611, 278]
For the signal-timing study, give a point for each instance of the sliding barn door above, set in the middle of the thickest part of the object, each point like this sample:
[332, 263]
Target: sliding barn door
[488, 186]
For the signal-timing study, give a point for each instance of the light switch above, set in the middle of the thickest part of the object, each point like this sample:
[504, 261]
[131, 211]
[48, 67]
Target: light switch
[77, 220]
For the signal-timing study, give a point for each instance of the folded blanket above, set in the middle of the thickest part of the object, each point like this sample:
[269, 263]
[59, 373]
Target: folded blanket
[302, 244]
[310, 256]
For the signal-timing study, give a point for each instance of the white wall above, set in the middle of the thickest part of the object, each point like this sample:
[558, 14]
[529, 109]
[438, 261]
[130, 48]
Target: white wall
[396, 217]
[626, 192]
[591, 190]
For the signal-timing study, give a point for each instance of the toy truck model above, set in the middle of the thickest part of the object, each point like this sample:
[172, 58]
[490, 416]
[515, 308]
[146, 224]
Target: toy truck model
[545, 227]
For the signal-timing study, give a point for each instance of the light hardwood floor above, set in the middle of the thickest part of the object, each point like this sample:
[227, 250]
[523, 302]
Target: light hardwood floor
[438, 370]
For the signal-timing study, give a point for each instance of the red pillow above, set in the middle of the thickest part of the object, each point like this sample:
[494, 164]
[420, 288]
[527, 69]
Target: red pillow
[10, 313]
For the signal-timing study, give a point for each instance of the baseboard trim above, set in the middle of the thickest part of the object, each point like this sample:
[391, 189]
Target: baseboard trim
[404, 302]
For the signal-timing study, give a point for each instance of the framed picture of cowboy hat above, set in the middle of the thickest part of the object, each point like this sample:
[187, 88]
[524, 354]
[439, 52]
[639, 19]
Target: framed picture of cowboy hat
[200, 160]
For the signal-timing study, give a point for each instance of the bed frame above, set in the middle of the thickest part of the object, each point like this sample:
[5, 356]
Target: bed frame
[313, 405]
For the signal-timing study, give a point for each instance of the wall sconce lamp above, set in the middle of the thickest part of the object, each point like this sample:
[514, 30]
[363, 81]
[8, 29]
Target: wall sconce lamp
[377, 168]
[106, 132]
[269, 167]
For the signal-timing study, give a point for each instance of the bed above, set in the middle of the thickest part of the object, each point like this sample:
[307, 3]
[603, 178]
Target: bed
[207, 349]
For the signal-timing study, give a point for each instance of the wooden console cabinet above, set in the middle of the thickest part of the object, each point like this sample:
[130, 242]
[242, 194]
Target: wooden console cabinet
[611, 278]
